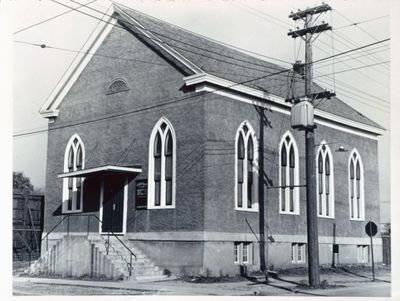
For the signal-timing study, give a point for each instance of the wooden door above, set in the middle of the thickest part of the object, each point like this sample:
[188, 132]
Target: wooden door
[113, 204]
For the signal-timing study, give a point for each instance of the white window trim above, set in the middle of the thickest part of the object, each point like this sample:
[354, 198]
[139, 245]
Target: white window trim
[251, 134]
[295, 252]
[326, 153]
[362, 196]
[296, 191]
[65, 180]
[151, 196]
[240, 248]
[363, 251]
[125, 211]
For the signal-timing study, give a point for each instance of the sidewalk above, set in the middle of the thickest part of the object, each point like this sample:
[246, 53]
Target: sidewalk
[340, 285]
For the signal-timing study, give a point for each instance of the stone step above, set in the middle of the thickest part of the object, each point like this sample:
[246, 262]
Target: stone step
[148, 277]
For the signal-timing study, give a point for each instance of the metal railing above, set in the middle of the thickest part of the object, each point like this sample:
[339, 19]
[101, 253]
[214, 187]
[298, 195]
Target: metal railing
[131, 254]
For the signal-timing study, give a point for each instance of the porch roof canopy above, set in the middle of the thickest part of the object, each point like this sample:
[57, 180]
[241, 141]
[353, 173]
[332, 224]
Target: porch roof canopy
[102, 171]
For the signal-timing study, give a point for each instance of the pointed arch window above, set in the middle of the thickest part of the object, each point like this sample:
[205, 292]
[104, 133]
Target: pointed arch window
[288, 175]
[325, 182]
[74, 159]
[246, 172]
[356, 187]
[162, 151]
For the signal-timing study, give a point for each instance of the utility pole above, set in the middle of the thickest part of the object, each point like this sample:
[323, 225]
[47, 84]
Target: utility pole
[304, 106]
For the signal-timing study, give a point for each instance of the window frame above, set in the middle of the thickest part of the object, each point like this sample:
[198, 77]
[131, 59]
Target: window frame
[73, 181]
[246, 136]
[157, 129]
[363, 253]
[295, 248]
[356, 206]
[238, 252]
[287, 168]
[324, 155]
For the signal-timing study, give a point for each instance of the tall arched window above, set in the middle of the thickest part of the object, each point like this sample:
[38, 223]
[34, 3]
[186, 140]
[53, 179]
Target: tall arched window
[74, 159]
[356, 186]
[246, 168]
[325, 181]
[288, 175]
[162, 152]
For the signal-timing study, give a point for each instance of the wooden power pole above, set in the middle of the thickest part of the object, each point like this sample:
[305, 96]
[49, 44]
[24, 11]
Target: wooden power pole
[306, 34]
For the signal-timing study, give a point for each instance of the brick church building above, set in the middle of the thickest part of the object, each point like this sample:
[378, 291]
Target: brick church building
[180, 149]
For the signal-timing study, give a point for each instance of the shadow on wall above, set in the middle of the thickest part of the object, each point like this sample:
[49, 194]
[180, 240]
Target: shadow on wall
[91, 194]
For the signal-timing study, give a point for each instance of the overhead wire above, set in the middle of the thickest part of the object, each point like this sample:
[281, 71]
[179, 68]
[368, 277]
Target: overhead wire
[361, 22]
[245, 81]
[163, 103]
[184, 43]
[207, 38]
[351, 42]
[52, 18]
[89, 53]
[360, 28]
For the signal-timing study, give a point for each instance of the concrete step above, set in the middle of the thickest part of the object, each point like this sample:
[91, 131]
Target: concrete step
[148, 278]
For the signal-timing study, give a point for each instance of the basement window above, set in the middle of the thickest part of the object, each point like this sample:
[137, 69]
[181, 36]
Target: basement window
[243, 252]
[363, 253]
[298, 252]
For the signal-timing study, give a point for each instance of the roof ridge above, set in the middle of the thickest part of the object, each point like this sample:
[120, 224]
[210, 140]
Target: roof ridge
[177, 33]
[254, 55]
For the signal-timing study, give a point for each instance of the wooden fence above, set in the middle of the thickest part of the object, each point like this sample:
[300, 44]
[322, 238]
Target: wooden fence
[27, 226]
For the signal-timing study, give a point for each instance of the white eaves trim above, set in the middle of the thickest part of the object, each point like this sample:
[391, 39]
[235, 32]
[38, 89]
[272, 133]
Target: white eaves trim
[276, 103]
[49, 109]
[108, 168]
[160, 43]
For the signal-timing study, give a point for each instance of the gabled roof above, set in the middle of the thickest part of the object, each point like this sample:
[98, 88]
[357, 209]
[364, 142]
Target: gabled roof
[236, 66]
[200, 58]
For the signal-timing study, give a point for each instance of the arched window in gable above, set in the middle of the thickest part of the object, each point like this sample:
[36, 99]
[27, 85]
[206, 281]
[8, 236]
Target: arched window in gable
[356, 187]
[288, 175]
[117, 85]
[74, 160]
[162, 154]
[246, 172]
[325, 181]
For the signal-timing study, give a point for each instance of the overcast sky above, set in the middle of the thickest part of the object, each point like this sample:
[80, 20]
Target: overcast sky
[259, 26]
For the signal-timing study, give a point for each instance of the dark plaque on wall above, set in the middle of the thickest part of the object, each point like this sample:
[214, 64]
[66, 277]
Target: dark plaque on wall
[336, 248]
[141, 194]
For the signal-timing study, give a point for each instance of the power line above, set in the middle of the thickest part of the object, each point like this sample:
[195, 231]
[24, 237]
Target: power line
[358, 71]
[265, 14]
[164, 102]
[205, 37]
[340, 83]
[349, 40]
[84, 52]
[363, 100]
[249, 10]
[52, 18]
[351, 69]
[188, 44]
[362, 47]
[282, 71]
[351, 57]
[361, 22]
[352, 50]
[362, 29]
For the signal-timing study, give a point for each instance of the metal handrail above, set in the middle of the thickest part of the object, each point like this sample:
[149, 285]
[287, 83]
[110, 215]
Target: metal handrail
[108, 241]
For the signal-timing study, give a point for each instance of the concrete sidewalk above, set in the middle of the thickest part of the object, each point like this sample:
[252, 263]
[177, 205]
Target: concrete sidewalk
[286, 285]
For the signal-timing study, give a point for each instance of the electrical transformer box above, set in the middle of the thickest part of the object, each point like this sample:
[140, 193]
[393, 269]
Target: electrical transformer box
[302, 115]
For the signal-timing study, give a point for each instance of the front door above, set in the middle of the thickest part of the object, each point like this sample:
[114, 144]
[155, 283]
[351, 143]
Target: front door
[113, 204]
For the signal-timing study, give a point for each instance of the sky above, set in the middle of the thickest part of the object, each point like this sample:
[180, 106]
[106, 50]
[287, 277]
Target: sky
[258, 26]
